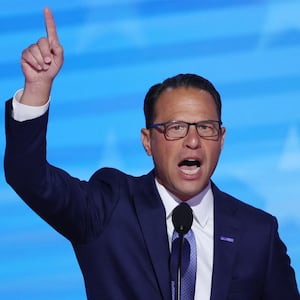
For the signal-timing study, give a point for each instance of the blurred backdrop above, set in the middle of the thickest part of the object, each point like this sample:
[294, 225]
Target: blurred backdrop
[114, 51]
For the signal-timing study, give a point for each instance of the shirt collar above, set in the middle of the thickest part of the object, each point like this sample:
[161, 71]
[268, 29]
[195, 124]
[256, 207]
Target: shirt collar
[202, 204]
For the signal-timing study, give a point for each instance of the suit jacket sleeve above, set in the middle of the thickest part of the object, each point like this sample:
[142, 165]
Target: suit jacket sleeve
[280, 280]
[60, 199]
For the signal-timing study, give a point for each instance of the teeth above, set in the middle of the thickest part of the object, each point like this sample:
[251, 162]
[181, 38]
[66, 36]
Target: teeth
[189, 166]
[190, 171]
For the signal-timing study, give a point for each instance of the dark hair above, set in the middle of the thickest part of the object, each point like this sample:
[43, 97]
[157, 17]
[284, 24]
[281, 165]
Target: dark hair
[180, 80]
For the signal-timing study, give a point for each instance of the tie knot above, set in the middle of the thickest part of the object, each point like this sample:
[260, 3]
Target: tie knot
[185, 258]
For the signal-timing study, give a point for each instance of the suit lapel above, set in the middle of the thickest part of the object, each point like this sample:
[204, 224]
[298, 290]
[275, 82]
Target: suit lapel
[152, 218]
[151, 215]
[226, 238]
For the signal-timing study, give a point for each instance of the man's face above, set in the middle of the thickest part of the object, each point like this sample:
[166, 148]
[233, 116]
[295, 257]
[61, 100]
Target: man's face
[184, 166]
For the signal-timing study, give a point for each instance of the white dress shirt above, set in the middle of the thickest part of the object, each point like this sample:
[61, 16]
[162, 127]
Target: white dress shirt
[202, 205]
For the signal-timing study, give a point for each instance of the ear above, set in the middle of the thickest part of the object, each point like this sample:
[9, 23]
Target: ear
[223, 134]
[145, 136]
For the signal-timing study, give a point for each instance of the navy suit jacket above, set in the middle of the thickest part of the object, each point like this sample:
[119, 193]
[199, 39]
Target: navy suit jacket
[117, 226]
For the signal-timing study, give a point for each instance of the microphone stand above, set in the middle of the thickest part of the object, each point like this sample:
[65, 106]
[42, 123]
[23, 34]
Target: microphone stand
[182, 219]
[179, 277]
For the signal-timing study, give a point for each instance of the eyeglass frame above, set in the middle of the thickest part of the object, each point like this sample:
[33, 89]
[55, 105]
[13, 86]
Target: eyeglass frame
[196, 124]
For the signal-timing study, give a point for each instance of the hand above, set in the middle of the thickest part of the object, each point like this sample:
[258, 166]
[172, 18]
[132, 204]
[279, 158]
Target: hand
[40, 63]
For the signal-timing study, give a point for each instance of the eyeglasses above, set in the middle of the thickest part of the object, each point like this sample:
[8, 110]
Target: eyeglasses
[175, 130]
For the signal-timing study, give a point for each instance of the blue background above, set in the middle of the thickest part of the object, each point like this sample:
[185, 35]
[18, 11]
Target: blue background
[114, 51]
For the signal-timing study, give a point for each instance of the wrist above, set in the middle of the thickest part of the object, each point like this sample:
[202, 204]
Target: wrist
[36, 94]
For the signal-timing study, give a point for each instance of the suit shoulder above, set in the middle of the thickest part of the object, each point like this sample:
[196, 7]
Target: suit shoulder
[244, 210]
[116, 176]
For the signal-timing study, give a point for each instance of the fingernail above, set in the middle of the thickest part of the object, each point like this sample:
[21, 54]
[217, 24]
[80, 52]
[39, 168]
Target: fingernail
[47, 60]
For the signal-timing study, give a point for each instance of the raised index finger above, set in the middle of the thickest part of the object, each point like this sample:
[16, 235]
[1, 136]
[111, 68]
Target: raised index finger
[50, 26]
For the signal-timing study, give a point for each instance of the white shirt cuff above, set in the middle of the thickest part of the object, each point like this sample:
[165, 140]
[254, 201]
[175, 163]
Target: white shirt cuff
[22, 112]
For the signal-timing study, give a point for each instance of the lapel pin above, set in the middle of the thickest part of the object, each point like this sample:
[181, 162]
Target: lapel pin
[227, 239]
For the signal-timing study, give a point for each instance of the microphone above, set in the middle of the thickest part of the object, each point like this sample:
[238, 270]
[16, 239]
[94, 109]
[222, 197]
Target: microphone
[182, 218]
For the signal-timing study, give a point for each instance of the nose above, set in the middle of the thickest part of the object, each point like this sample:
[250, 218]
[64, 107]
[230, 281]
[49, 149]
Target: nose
[192, 139]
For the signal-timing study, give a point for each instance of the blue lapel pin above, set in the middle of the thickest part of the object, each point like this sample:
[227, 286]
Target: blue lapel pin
[227, 239]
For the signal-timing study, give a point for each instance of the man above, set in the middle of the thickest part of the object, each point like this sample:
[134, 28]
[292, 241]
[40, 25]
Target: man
[120, 226]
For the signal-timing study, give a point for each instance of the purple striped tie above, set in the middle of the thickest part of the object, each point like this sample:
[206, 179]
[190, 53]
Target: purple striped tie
[188, 265]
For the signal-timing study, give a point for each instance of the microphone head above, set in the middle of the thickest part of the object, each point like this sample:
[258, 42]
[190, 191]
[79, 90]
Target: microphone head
[182, 218]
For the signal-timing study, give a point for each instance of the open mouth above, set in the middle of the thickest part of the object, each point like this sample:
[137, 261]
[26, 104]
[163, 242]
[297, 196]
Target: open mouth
[189, 166]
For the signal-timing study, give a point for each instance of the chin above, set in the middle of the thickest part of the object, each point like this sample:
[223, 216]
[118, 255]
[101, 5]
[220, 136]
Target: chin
[185, 196]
